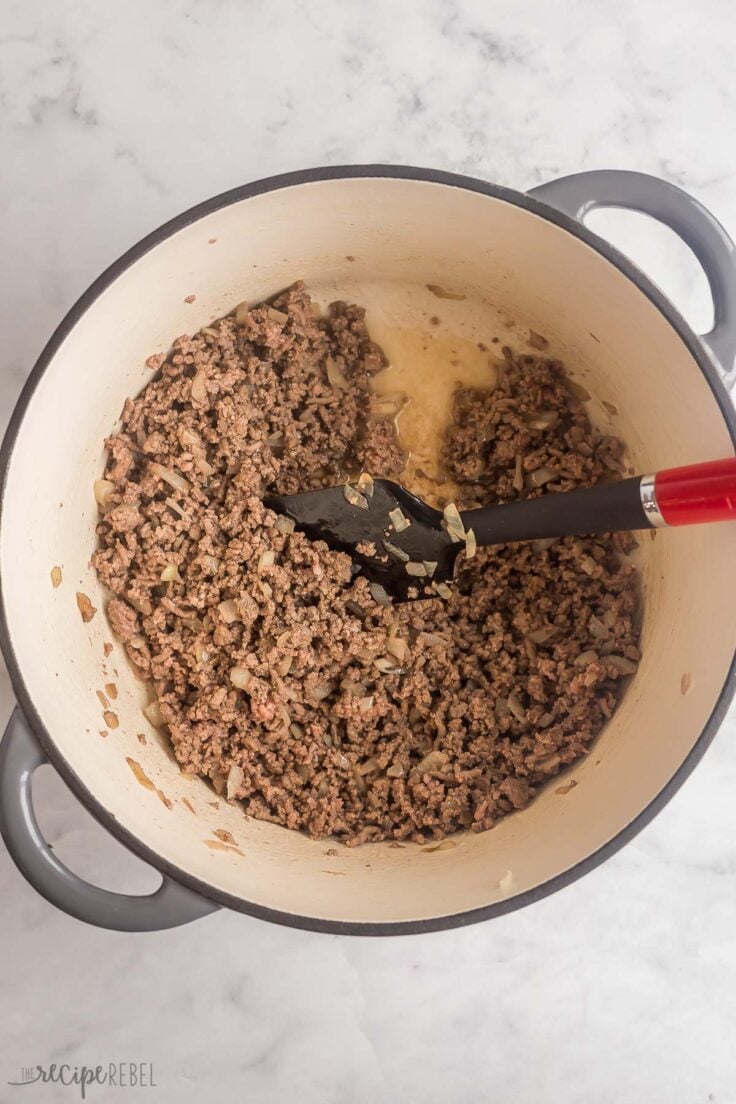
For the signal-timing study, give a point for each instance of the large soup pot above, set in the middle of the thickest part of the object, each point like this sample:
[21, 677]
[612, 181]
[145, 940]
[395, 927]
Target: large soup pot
[378, 236]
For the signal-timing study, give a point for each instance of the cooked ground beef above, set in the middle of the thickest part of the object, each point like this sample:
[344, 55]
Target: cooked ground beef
[262, 647]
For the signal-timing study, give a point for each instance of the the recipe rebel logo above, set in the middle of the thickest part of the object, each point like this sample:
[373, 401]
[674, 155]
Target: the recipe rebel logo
[116, 1075]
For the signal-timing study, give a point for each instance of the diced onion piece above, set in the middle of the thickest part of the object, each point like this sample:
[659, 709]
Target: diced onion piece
[365, 704]
[540, 476]
[394, 550]
[218, 781]
[470, 544]
[395, 771]
[390, 404]
[453, 523]
[321, 691]
[277, 315]
[365, 484]
[516, 707]
[199, 388]
[203, 466]
[622, 664]
[103, 488]
[334, 375]
[188, 438]
[171, 574]
[416, 569]
[297, 730]
[433, 761]
[266, 559]
[240, 678]
[55, 577]
[235, 778]
[228, 611]
[442, 589]
[178, 482]
[385, 665]
[174, 505]
[596, 628]
[543, 419]
[398, 520]
[540, 636]
[397, 646]
[284, 524]
[241, 313]
[284, 666]
[370, 765]
[585, 658]
[210, 562]
[152, 712]
[379, 594]
[430, 566]
[544, 543]
[355, 498]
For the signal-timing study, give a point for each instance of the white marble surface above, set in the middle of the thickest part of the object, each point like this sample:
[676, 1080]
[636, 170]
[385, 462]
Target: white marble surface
[620, 989]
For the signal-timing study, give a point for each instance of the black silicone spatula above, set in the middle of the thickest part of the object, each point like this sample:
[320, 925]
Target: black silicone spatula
[414, 546]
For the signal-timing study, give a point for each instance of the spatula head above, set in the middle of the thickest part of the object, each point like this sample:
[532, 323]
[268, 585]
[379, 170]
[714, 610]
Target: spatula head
[408, 559]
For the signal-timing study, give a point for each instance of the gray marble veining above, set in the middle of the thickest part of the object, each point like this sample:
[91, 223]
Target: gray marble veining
[622, 988]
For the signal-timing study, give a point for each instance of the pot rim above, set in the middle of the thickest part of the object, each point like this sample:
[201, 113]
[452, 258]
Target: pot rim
[74, 316]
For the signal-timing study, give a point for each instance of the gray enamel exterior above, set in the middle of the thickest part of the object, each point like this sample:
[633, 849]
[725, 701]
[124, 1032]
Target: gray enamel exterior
[172, 904]
[27, 743]
[581, 193]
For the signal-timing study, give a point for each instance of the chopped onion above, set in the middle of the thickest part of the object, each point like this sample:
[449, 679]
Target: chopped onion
[379, 594]
[297, 730]
[218, 781]
[596, 628]
[355, 498]
[171, 574]
[622, 664]
[394, 550]
[277, 315]
[395, 771]
[284, 524]
[240, 678]
[321, 691]
[416, 569]
[228, 611]
[470, 544]
[365, 484]
[543, 419]
[541, 636]
[284, 666]
[266, 559]
[585, 658]
[152, 712]
[432, 640]
[103, 488]
[385, 665]
[370, 764]
[453, 523]
[241, 313]
[540, 476]
[210, 562]
[544, 543]
[334, 375]
[199, 388]
[391, 403]
[397, 646]
[433, 761]
[365, 704]
[398, 520]
[174, 505]
[430, 566]
[203, 466]
[235, 778]
[442, 589]
[178, 482]
[516, 707]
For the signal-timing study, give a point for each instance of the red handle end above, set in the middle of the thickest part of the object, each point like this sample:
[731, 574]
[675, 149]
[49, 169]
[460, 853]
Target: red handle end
[698, 493]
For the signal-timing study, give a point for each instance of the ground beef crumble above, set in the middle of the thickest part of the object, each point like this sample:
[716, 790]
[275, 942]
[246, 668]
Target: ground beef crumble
[262, 647]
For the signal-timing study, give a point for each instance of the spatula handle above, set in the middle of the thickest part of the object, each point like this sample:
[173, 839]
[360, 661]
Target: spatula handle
[678, 496]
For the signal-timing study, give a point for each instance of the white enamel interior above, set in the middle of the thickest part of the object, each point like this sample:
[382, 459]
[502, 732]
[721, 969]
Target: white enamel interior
[402, 235]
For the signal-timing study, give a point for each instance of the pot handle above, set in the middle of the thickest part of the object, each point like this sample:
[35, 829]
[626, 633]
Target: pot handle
[580, 193]
[172, 904]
